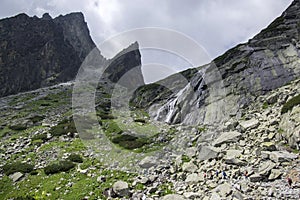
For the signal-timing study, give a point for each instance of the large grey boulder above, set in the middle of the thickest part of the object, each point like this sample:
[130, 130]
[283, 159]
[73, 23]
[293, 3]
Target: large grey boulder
[148, 162]
[121, 188]
[249, 124]
[227, 137]
[282, 156]
[16, 176]
[207, 152]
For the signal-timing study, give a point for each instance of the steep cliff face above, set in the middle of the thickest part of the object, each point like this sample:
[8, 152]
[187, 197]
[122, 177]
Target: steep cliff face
[36, 52]
[266, 62]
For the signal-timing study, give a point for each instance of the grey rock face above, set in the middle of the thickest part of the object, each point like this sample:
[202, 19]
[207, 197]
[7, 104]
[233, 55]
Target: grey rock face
[40, 52]
[266, 62]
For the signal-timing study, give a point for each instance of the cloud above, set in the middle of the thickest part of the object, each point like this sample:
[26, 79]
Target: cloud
[217, 25]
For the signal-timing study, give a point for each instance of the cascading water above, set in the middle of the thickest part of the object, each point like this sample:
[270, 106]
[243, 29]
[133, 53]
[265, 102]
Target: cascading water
[171, 111]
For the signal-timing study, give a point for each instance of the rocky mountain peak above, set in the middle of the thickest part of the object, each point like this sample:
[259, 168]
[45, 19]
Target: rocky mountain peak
[46, 16]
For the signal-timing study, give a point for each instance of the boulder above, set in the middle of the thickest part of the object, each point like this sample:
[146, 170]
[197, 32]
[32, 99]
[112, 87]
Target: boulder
[227, 137]
[249, 124]
[282, 156]
[194, 178]
[224, 190]
[121, 188]
[148, 162]
[265, 168]
[207, 152]
[16, 176]
[275, 173]
[189, 167]
[255, 178]
[268, 146]
[173, 197]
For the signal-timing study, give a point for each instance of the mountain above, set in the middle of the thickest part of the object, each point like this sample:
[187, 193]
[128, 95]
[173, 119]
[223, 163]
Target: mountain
[232, 128]
[39, 52]
[232, 81]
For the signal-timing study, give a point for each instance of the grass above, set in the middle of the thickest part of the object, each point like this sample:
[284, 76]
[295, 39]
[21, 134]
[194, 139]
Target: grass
[290, 104]
[265, 105]
[185, 158]
[75, 146]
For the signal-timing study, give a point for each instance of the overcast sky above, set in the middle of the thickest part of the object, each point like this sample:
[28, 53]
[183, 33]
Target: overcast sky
[216, 25]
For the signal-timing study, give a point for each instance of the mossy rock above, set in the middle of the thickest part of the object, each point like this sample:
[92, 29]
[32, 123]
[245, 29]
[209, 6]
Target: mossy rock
[290, 104]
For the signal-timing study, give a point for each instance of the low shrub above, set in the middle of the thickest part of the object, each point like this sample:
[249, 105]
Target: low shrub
[75, 158]
[64, 127]
[143, 121]
[290, 104]
[17, 167]
[42, 137]
[61, 166]
[129, 142]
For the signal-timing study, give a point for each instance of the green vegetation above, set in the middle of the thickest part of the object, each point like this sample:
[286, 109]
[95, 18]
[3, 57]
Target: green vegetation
[17, 167]
[64, 127]
[201, 129]
[290, 104]
[130, 142]
[75, 158]
[61, 166]
[185, 158]
[166, 188]
[42, 137]
[265, 105]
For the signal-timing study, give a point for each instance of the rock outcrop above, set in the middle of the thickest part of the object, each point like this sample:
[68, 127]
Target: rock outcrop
[228, 84]
[37, 52]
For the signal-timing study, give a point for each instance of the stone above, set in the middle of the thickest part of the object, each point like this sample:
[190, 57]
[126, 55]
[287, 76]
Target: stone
[215, 196]
[227, 137]
[272, 98]
[148, 162]
[192, 195]
[194, 178]
[265, 168]
[268, 146]
[249, 124]
[234, 161]
[275, 174]
[173, 197]
[189, 167]
[238, 195]
[224, 189]
[121, 188]
[232, 153]
[255, 178]
[207, 152]
[16, 176]
[282, 156]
